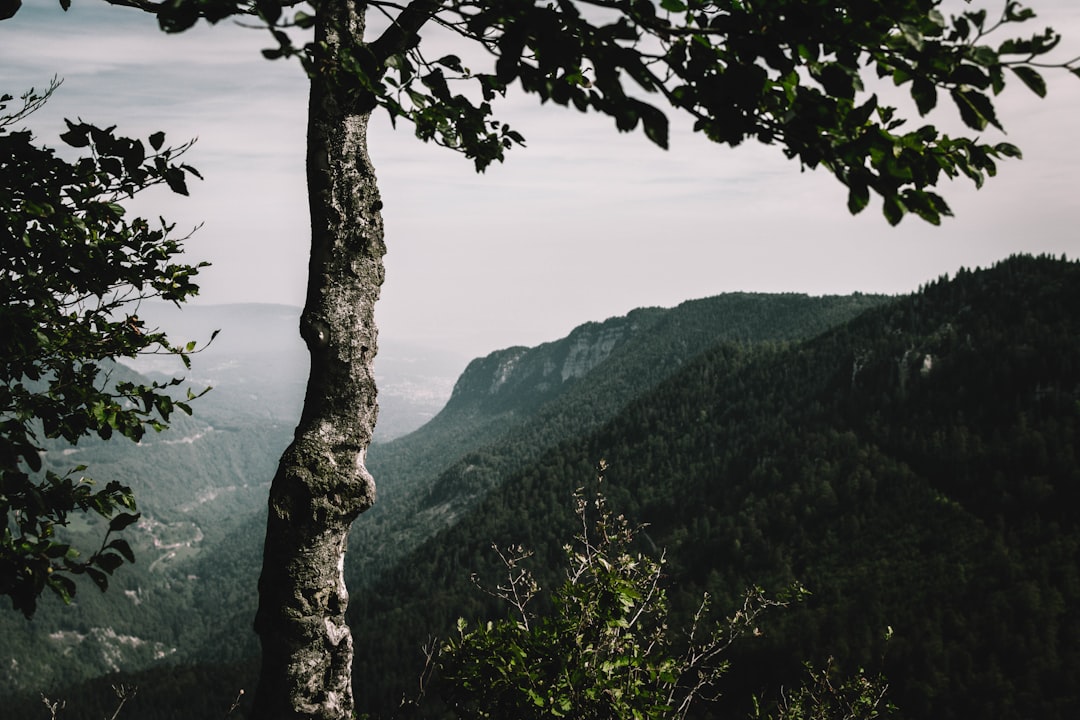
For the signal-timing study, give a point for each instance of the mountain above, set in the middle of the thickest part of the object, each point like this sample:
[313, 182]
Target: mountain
[500, 415]
[911, 460]
[915, 468]
[202, 485]
[510, 407]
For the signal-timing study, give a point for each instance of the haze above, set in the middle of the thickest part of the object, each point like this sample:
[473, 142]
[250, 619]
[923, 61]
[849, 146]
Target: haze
[583, 224]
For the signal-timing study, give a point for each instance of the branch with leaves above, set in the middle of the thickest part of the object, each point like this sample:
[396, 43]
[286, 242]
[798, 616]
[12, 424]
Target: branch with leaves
[605, 650]
[73, 270]
[788, 72]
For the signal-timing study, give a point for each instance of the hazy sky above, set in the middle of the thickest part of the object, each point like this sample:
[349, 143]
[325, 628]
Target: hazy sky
[581, 225]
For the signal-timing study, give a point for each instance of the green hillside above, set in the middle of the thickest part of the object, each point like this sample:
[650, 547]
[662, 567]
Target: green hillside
[912, 462]
[510, 407]
[559, 390]
[507, 410]
[915, 468]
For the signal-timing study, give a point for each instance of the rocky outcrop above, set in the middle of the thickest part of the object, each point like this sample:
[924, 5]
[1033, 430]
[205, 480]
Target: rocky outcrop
[520, 375]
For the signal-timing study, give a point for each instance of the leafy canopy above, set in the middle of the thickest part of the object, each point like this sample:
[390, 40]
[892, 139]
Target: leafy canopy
[784, 72]
[73, 268]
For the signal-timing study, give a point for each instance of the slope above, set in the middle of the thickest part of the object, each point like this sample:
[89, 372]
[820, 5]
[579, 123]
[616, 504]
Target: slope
[553, 392]
[915, 468]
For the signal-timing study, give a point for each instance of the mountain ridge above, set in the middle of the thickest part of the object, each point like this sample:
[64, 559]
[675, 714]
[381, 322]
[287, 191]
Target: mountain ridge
[494, 454]
[938, 498]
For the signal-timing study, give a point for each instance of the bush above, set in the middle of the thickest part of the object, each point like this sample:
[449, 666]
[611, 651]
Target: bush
[606, 650]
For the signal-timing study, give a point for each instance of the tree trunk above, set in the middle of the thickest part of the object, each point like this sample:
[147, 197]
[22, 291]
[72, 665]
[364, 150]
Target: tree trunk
[321, 483]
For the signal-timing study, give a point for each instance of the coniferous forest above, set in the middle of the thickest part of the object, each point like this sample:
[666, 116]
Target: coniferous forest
[911, 461]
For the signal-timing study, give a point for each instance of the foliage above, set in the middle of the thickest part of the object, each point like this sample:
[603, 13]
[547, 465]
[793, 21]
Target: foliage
[786, 72]
[606, 650]
[824, 696]
[74, 268]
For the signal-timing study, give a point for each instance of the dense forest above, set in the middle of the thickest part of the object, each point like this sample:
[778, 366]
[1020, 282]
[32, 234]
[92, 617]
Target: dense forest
[912, 462]
[915, 468]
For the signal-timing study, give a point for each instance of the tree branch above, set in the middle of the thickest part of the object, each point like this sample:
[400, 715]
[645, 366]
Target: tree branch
[402, 33]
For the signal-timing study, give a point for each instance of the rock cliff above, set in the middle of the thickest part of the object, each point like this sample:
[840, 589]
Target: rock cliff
[519, 375]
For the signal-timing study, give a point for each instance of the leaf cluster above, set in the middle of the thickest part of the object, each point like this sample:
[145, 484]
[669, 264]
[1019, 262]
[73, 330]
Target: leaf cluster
[786, 72]
[73, 268]
[605, 650]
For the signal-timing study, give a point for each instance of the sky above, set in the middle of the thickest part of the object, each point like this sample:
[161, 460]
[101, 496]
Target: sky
[583, 224]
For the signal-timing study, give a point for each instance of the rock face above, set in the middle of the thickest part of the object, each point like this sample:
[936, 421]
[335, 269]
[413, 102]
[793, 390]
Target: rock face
[519, 375]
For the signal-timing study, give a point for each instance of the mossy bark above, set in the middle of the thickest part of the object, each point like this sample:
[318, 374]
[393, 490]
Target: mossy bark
[321, 484]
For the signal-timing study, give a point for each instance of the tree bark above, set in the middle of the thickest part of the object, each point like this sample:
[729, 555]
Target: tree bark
[321, 484]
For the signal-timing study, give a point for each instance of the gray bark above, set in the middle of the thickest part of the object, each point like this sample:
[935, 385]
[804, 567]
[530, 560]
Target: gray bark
[321, 483]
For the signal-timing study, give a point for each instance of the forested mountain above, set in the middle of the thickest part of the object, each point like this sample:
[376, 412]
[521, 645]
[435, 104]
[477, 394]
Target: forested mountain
[914, 468]
[510, 407]
[506, 410]
[202, 484]
[912, 462]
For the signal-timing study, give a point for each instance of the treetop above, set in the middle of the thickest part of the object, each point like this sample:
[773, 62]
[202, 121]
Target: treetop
[791, 73]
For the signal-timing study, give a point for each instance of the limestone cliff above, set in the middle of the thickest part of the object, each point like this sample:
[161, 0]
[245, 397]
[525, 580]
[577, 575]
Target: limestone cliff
[519, 375]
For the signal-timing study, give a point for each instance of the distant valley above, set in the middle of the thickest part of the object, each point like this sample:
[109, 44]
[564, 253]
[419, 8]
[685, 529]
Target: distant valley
[258, 364]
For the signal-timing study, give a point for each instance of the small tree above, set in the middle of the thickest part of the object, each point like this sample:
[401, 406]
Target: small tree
[73, 269]
[606, 650]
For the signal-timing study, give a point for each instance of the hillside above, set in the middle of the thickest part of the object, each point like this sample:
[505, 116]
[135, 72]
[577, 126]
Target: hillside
[510, 407]
[913, 464]
[507, 409]
[914, 468]
[170, 617]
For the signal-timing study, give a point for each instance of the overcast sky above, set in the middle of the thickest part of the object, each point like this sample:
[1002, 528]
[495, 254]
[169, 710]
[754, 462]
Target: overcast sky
[583, 224]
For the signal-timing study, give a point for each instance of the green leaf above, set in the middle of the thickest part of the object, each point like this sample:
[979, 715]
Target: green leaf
[984, 55]
[174, 177]
[1031, 78]
[975, 109]
[893, 209]
[122, 521]
[912, 35]
[77, 135]
[924, 93]
[57, 550]
[108, 561]
[269, 10]
[121, 546]
[451, 61]
[921, 204]
[304, 20]
[655, 123]
[1009, 150]
[858, 197]
[63, 586]
[100, 579]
